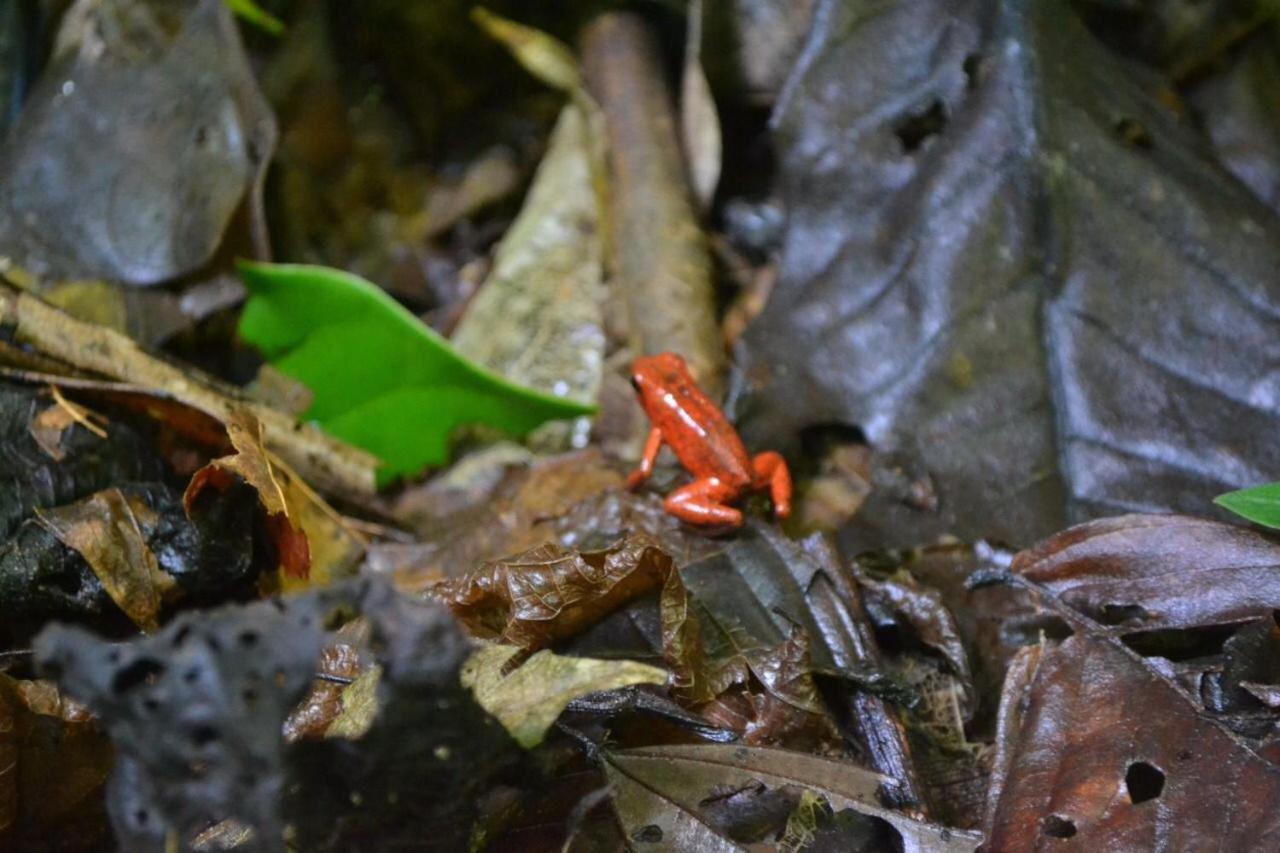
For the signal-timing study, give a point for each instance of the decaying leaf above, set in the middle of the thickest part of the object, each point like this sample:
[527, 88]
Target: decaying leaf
[665, 796]
[106, 530]
[1098, 751]
[313, 543]
[537, 318]
[542, 55]
[992, 228]
[550, 592]
[53, 764]
[141, 140]
[1144, 572]
[528, 699]
[774, 699]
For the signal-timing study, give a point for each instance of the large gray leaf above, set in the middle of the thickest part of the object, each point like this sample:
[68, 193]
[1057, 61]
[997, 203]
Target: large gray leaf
[142, 139]
[1030, 286]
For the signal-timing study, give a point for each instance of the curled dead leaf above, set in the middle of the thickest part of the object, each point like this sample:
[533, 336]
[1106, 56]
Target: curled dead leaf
[549, 592]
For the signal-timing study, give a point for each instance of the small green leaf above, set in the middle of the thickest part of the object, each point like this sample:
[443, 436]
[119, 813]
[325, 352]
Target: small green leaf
[381, 379]
[254, 14]
[1260, 504]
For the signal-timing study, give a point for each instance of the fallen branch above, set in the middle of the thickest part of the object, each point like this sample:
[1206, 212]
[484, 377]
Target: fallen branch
[658, 251]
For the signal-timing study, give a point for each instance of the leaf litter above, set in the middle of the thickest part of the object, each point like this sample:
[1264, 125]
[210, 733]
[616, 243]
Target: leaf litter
[600, 677]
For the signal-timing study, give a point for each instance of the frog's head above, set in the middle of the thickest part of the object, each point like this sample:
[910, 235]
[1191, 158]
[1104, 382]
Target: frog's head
[655, 375]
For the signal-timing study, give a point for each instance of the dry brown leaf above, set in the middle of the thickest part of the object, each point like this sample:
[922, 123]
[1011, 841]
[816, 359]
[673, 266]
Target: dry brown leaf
[313, 543]
[53, 764]
[107, 530]
[549, 593]
[49, 425]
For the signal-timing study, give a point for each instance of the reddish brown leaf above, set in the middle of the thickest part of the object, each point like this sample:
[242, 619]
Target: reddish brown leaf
[1097, 751]
[780, 704]
[1158, 571]
[313, 543]
[549, 593]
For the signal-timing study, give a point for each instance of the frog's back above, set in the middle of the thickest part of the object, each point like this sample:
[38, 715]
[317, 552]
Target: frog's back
[702, 438]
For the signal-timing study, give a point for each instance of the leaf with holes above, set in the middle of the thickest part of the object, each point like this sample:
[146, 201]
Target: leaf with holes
[1097, 746]
[1091, 733]
[1037, 293]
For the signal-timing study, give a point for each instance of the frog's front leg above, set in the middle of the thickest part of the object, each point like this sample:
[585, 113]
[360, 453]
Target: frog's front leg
[770, 472]
[704, 502]
[651, 447]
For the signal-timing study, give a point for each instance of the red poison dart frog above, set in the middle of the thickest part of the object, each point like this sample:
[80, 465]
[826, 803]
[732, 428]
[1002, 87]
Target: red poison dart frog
[706, 445]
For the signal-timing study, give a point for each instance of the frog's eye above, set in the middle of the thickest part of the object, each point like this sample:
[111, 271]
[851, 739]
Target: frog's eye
[635, 382]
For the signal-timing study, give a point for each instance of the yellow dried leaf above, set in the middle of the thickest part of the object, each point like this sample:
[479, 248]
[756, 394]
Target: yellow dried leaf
[528, 700]
[359, 706]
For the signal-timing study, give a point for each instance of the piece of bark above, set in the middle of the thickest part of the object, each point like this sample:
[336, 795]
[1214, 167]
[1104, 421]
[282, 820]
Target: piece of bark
[658, 252]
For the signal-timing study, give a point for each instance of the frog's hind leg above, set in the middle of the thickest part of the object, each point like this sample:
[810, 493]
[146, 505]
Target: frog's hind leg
[703, 502]
[770, 472]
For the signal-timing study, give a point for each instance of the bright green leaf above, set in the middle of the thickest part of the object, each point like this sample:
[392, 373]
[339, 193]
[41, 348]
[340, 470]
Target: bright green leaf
[381, 379]
[527, 700]
[254, 14]
[1261, 504]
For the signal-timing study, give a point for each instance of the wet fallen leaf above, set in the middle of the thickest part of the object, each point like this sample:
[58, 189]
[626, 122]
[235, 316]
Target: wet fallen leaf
[665, 796]
[528, 699]
[313, 543]
[105, 529]
[977, 232]
[1235, 105]
[1139, 572]
[550, 592]
[382, 380]
[141, 140]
